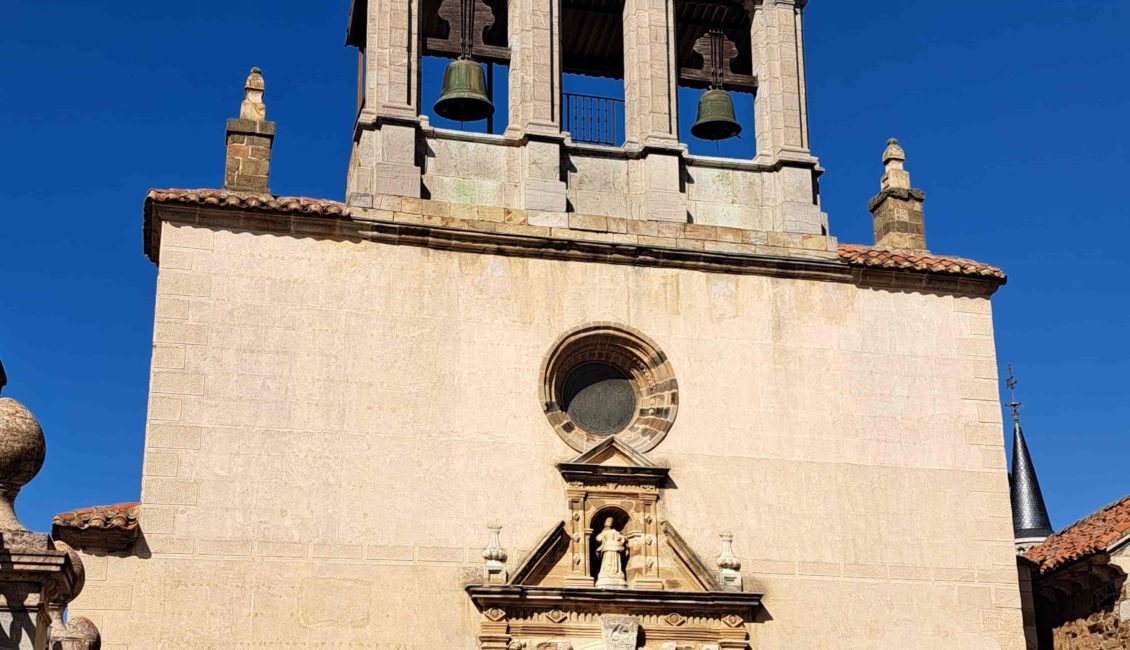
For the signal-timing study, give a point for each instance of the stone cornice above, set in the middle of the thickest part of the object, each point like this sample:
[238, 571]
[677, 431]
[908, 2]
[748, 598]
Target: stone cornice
[486, 596]
[309, 218]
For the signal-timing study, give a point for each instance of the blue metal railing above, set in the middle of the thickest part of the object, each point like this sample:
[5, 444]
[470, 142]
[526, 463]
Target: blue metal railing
[593, 119]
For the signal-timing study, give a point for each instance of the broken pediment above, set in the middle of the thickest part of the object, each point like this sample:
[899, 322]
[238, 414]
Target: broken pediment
[614, 559]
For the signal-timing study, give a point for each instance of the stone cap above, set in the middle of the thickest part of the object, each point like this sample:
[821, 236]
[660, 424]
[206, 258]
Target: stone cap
[899, 193]
[250, 127]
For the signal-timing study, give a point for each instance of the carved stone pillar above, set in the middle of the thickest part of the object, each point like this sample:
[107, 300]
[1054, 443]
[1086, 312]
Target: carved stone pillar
[392, 57]
[778, 62]
[384, 148]
[494, 630]
[535, 101]
[649, 79]
[535, 66]
[577, 529]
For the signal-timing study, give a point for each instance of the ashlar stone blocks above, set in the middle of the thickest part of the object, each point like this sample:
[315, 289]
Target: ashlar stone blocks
[342, 407]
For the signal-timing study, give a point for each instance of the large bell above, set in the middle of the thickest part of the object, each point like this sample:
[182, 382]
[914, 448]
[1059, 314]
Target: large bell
[716, 116]
[464, 97]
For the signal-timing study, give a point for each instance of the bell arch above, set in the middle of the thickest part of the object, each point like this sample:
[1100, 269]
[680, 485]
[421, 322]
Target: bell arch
[464, 44]
[716, 84]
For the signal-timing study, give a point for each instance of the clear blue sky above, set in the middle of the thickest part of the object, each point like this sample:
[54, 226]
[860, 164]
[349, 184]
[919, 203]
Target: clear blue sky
[1013, 113]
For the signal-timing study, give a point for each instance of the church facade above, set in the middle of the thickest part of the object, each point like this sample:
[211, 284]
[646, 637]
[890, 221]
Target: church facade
[523, 392]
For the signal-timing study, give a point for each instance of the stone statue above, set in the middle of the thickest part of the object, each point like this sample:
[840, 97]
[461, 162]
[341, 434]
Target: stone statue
[611, 548]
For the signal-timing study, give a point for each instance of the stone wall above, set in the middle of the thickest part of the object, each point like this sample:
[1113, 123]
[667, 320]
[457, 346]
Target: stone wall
[1105, 630]
[1095, 618]
[333, 424]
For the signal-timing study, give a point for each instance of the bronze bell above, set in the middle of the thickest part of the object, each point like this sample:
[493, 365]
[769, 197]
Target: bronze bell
[464, 97]
[716, 116]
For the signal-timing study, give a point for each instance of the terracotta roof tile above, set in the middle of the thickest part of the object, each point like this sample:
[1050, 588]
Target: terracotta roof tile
[120, 515]
[250, 201]
[1089, 536]
[857, 255]
[110, 528]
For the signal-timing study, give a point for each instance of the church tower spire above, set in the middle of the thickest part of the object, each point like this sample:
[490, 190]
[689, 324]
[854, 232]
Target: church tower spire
[1030, 522]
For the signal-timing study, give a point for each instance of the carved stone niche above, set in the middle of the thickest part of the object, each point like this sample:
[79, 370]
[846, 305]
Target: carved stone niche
[671, 598]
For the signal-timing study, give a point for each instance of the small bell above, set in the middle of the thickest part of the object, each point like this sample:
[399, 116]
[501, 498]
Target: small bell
[716, 119]
[464, 96]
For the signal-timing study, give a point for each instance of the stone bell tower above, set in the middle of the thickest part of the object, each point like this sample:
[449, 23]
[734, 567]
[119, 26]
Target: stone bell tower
[561, 383]
[541, 163]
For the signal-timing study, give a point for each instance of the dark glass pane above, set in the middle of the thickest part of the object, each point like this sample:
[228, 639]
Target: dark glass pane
[599, 398]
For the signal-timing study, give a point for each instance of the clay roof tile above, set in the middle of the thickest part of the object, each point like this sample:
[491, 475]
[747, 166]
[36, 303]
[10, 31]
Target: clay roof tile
[867, 256]
[1094, 534]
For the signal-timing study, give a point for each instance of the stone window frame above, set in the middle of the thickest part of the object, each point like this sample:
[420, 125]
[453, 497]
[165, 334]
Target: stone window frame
[638, 356]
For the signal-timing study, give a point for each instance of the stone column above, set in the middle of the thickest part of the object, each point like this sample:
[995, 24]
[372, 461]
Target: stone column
[384, 157]
[651, 121]
[649, 78]
[535, 101]
[535, 67]
[778, 62]
[392, 58]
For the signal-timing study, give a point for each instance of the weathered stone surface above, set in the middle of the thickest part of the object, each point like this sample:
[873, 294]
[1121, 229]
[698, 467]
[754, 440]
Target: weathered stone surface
[22, 450]
[343, 387]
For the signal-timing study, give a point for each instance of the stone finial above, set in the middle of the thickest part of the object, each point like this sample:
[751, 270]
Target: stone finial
[495, 557]
[896, 175]
[897, 211]
[22, 450]
[249, 141]
[253, 107]
[730, 565]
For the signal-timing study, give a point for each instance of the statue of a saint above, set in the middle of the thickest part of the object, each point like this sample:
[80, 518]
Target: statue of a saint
[611, 549]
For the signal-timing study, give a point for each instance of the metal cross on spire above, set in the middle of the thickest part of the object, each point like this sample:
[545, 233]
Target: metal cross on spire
[1014, 405]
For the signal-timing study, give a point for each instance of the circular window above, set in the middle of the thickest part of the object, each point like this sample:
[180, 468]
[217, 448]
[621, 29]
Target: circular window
[602, 380]
[599, 397]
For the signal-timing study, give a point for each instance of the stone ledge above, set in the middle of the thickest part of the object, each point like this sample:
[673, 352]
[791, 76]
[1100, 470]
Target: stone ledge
[895, 193]
[502, 231]
[251, 127]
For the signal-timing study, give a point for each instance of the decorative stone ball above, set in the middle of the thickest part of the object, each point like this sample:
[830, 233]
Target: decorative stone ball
[83, 628]
[22, 447]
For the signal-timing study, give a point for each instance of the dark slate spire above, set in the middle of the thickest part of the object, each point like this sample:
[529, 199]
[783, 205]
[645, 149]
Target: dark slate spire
[1030, 519]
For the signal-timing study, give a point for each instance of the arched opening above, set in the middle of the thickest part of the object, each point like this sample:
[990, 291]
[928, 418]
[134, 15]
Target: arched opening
[592, 62]
[620, 521]
[472, 30]
[714, 50]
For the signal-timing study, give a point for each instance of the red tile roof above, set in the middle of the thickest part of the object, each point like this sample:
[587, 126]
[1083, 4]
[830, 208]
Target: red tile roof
[857, 255]
[1089, 536]
[121, 515]
[110, 528]
[246, 201]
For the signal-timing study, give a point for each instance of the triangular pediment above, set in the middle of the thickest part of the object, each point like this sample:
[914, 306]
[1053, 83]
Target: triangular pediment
[612, 460]
[612, 451]
[680, 568]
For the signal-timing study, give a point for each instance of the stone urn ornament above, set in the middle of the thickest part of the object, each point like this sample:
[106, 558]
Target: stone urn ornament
[22, 450]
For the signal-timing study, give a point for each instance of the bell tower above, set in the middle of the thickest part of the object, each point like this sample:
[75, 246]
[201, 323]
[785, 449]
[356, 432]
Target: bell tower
[603, 158]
